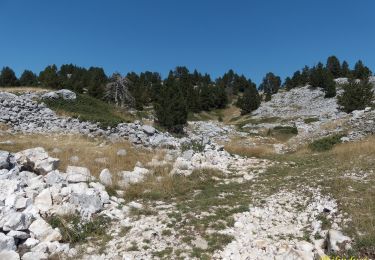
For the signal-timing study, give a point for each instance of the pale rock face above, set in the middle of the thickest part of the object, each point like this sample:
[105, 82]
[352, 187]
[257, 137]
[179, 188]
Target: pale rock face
[7, 187]
[43, 201]
[44, 232]
[34, 256]
[78, 174]
[6, 243]
[62, 93]
[121, 152]
[4, 160]
[105, 177]
[9, 255]
[148, 129]
[37, 159]
[17, 221]
[18, 234]
[335, 238]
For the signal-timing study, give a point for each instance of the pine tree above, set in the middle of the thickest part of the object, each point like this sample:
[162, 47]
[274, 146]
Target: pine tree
[345, 70]
[171, 109]
[270, 84]
[8, 78]
[250, 100]
[356, 95]
[361, 71]
[333, 66]
[28, 78]
[321, 78]
[49, 77]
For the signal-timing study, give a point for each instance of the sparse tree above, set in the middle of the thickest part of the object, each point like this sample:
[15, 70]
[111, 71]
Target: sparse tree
[345, 70]
[322, 78]
[117, 91]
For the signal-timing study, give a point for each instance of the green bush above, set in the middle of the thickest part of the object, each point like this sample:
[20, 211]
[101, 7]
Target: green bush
[196, 146]
[87, 108]
[325, 143]
[74, 230]
[310, 120]
[356, 96]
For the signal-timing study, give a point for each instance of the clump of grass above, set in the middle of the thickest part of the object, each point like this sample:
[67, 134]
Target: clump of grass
[325, 143]
[283, 133]
[310, 120]
[74, 230]
[196, 146]
[87, 108]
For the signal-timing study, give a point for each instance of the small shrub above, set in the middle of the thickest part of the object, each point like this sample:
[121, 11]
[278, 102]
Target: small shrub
[196, 146]
[310, 120]
[286, 130]
[325, 143]
[74, 230]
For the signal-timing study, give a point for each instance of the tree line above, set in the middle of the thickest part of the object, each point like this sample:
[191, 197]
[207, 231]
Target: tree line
[183, 92]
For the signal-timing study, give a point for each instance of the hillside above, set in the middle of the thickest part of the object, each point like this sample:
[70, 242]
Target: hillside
[292, 180]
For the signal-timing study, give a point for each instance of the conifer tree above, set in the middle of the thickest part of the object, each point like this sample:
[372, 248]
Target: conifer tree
[361, 71]
[333, 66]
[171, 108]
[250, 100]
[270, 84]
[8, 78]
[49, 77]
[28, 78]
[345, 70]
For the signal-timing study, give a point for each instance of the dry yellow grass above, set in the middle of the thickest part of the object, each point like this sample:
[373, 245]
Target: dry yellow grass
[346, 152]
[24, 89]
[87, 149]
[239, 147]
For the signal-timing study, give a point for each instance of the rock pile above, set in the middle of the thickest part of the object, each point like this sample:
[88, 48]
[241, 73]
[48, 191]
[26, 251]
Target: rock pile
[31, 189]
[28, 116]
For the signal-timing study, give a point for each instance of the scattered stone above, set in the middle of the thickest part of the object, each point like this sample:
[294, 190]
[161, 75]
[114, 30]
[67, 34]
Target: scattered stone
[121, 152]
[106, 177]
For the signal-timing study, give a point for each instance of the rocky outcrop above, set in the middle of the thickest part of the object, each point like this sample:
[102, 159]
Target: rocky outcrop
[62, 93]
[31, 189]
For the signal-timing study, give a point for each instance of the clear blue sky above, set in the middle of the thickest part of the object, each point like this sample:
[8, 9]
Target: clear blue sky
[252, 37]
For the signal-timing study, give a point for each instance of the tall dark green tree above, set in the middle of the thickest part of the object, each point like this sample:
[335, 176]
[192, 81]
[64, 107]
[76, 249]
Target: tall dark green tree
[345, 70]
[49, 77]
[8, 77]
[170, 108]
[250, 100]
[361, 71]
[356, 95]
[28, 78]
[321, 78]
[270, 84]
[333, 66]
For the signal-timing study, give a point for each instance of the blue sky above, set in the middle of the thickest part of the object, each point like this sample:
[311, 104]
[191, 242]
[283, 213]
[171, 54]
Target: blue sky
[252, 37]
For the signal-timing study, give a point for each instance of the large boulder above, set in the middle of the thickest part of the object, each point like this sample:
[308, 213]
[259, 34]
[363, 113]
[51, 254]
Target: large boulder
[62, 93]
[106, 177]
[9, 255]
[43, 202]
[148, 129]
[17, 221]
[37, 160]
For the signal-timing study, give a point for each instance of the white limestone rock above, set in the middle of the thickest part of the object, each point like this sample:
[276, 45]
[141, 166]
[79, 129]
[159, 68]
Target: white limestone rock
[37, 159]
[7, 243]
[44, 232]
[105, 177]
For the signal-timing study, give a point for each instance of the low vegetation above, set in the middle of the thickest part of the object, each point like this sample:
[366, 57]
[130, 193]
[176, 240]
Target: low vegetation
[87, 108]
[325, 143]
[74, 230]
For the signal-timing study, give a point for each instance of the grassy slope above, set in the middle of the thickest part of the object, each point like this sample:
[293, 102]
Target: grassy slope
[87, 108]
